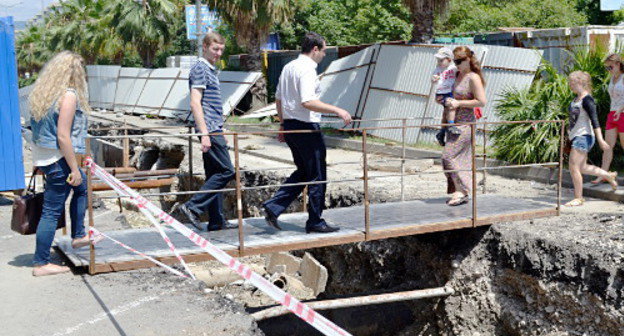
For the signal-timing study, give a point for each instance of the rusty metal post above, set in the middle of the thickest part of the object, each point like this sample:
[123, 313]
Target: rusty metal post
[239, 199]
[484, 156]
[190, 154]
[366, 196]
[473, 130]
[403, 130]
[304, 199]
[559, 180]
[90, 208]
[126, 147]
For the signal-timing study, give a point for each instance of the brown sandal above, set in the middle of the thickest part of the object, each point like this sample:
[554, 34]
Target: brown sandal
[613, 180]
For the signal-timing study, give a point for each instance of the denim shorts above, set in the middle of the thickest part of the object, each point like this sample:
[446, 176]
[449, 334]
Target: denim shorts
[583, 143]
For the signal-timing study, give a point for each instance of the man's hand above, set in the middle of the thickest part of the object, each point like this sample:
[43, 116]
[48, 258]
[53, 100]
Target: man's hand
[344, 115]
[435, 78]
[616, 116]
[280, 136]
[205, 143]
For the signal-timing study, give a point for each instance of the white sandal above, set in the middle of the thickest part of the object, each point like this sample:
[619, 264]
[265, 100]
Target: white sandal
[575, 202]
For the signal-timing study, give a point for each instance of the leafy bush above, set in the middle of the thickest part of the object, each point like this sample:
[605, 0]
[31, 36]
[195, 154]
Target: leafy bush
[548, 99]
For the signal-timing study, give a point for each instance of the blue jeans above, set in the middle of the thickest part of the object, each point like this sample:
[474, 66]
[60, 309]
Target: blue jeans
[54, 196]
[309, 153]
[219, 171]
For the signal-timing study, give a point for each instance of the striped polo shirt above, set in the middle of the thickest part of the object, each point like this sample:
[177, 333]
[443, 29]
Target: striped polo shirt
[203, 76]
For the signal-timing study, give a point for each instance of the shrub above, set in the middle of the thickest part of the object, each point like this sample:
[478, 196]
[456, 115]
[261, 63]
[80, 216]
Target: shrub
[548, 99]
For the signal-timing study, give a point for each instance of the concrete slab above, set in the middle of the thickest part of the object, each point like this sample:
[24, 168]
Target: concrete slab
[289, 262]
[313, 274]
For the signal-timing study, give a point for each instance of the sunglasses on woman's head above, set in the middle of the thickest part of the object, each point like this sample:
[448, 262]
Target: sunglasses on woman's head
[459, 61]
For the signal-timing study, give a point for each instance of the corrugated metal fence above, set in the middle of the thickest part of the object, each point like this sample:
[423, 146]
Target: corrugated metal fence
[11, 158]
[393, 81]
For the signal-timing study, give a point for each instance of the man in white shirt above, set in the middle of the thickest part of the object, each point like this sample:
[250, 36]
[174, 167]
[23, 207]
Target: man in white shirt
[299, 108]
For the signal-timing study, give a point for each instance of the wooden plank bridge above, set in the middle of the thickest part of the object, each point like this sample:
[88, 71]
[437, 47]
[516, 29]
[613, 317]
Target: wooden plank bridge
[387, 220]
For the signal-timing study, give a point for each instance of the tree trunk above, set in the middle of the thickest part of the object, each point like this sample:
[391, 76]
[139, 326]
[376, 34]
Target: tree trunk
[422, 26]
[147, 54]
[254, 63]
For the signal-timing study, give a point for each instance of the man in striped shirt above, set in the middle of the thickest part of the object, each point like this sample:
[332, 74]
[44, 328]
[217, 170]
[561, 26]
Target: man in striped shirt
[207, 109]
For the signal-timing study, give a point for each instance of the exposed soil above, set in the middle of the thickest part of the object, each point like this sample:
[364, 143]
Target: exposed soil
[555, 276]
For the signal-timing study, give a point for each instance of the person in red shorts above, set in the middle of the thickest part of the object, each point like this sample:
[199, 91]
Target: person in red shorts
[615, 119]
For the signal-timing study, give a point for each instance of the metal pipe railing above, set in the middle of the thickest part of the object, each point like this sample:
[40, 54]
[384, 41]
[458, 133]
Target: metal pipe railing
[365, 169]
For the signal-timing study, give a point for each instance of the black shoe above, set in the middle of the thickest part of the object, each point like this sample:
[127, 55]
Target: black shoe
[454, 130]
[440, 137]
[224, 226]
[190, 216]
[270, 218]
[323, 228]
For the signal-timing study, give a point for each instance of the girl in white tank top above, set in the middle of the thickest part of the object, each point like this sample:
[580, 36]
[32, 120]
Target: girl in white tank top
[616, 93]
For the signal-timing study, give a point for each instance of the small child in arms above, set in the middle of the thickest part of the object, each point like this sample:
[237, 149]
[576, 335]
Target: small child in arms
[444, 77]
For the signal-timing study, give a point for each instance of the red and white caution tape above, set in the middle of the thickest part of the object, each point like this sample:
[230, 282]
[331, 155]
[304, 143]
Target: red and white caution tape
[119, 187]
[94, 233]
[304, 312]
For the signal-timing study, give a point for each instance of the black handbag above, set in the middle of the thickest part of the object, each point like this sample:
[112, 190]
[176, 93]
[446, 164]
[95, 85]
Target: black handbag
[27, 210]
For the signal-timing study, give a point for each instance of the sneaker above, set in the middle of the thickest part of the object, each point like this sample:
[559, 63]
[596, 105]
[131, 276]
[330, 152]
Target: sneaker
[454, 130]
[440, 137]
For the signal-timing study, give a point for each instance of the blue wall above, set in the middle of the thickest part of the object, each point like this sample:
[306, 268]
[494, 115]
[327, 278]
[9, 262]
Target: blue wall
[11, 158]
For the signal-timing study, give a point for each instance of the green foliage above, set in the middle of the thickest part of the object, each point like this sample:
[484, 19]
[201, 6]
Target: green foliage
[107, 32]
[348, 22]
[591, 8]
[487, 15]
[26, 81]
[548, 98]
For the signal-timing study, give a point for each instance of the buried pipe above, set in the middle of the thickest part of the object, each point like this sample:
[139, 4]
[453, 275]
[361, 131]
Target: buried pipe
[359, 301]
[149, 184]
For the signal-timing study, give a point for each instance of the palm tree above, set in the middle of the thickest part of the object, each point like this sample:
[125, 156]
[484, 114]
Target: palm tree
[77, 27]
[422, 15]
[145, 24]
[31, 50]
[252, 21]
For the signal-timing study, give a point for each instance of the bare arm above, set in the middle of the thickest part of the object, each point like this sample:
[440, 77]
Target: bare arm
[67, 111]
[280, 115]
[278, 106]
[198, 115]
[318, 106]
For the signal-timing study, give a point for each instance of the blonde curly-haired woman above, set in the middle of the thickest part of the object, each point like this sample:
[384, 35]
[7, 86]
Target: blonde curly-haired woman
[59, 123]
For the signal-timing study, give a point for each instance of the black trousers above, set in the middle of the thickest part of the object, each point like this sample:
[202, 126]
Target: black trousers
[309, 154]
[219, 171]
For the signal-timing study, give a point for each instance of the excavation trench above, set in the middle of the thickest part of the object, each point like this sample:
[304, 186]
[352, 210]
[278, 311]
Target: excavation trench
[543, 277]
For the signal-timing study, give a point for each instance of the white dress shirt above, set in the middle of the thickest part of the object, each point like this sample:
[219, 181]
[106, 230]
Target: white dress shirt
[298, 84]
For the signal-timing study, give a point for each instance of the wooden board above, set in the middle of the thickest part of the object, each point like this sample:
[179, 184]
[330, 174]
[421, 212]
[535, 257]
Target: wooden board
[394, 219]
